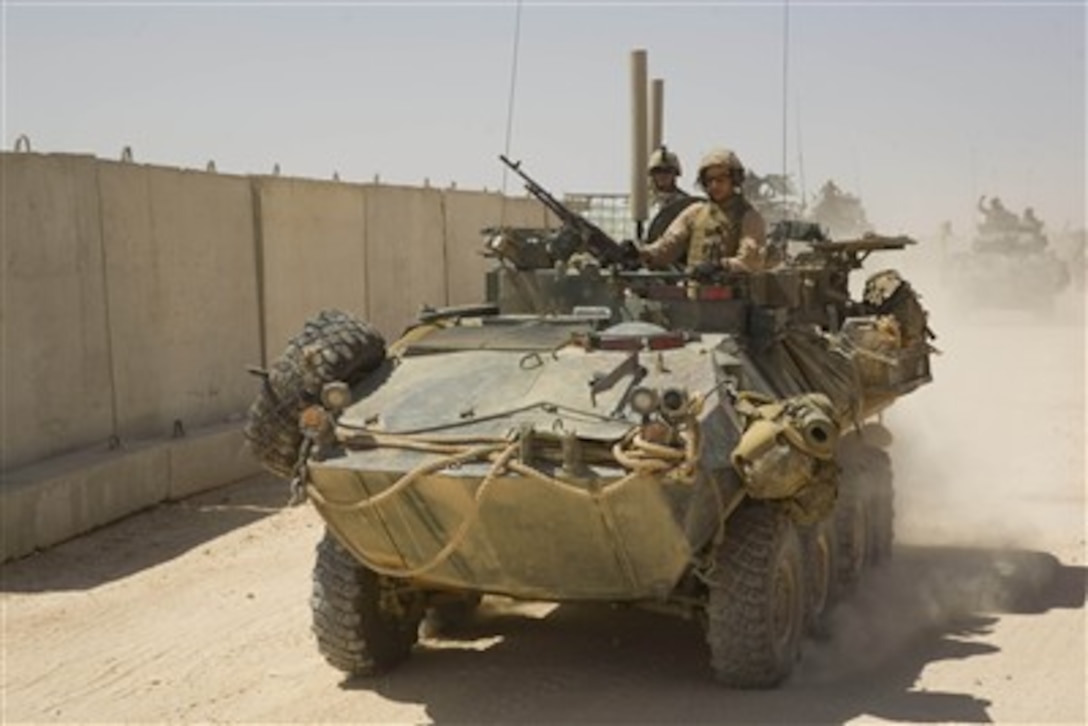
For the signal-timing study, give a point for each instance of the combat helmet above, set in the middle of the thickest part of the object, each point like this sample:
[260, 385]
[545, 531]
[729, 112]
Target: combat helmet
[726, 158]
[664, 160]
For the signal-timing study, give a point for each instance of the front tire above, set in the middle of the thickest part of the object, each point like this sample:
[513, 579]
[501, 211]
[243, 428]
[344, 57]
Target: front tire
[365, 623]
[756, 605]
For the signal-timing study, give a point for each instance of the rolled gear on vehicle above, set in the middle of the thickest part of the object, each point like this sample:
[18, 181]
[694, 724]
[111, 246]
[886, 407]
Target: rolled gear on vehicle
[333, 346]
[786, 452]
[887, 293]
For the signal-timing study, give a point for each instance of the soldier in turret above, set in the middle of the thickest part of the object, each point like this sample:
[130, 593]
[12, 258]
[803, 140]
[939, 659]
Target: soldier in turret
[1032, 227]
[664, 169]
[724, 232]
[996, 217]
[1030, 222]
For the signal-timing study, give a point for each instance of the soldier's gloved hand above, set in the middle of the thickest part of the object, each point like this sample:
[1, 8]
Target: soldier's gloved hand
[706, 271]
[630, 254]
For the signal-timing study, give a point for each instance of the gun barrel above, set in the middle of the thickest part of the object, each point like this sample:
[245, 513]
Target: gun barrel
[595, 239]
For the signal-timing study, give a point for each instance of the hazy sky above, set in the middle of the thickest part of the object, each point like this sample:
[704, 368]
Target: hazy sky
[920, 107]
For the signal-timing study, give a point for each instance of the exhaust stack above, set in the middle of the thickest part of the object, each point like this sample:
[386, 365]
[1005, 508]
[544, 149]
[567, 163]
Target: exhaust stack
[639, 140]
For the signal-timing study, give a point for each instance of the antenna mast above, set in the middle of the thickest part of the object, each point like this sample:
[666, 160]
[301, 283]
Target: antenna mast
[785, 92]
[513, 87]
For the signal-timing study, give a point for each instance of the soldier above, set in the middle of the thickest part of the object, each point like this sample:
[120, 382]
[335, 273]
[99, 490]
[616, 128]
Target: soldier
[1031, 223]
[664, 170]
[723, 232]
[997, 218]
[1033, 228]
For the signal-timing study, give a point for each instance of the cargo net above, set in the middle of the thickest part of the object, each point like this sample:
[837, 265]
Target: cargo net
[634, 452]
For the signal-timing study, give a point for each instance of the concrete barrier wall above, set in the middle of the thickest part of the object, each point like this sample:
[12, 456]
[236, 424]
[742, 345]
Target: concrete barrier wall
[134, 298]
[182, 296]
[312, 253]
[56, 386]
[406, 255]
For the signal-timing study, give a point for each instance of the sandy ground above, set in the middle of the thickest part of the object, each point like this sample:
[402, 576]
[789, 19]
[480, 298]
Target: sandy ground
[198, 611]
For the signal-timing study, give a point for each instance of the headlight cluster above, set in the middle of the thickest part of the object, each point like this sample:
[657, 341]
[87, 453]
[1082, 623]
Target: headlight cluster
[336, 396]
[671, 403]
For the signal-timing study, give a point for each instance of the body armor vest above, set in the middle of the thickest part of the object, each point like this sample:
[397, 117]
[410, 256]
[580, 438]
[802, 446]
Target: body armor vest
[716, 230]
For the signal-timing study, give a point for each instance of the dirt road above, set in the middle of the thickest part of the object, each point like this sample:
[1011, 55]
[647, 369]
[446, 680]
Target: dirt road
[198, 611]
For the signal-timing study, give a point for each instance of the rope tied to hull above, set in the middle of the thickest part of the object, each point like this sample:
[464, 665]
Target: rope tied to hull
[639, 457]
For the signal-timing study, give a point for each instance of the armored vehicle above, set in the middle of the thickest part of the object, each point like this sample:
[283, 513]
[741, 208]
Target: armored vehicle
[1009, 265]
[839, 212]
[594, 432]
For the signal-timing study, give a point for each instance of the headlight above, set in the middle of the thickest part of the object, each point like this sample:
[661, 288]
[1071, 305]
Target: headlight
[674, 402]
[336, 396]
[644, 401]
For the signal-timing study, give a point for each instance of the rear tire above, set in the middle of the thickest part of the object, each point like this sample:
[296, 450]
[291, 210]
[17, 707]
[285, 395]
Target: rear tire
[853, 528]
[333, 346]
[879, 475]
[756, 606]
[821, 576]
[365, 623]
[865, 510]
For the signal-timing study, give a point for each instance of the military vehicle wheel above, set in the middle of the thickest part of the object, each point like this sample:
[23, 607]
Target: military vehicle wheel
[755, 612]
[821, 576]
[333, 346]
[880, 479]
[365, 623]
[853, 528]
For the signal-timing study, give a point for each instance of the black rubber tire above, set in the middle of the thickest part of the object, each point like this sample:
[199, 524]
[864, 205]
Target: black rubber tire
[756, 604]
[333, 346]
[822, 590]
[882, 493]
[853, 527]
[365, 623]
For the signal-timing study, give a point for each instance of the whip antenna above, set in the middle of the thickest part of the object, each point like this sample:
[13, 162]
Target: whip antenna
[785, 91]
[510, 101]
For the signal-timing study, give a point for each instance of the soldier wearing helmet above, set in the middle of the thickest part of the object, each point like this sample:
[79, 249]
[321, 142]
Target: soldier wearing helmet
[723, 232]
[664, 168]
[996, 217]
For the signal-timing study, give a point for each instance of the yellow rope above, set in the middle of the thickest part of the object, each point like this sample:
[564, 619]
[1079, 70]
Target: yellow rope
[633, 452]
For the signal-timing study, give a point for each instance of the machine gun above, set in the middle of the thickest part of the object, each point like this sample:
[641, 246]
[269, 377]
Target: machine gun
[850, 254]
[594, 239]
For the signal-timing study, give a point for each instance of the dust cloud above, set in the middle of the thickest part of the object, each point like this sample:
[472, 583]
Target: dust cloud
[989, 465]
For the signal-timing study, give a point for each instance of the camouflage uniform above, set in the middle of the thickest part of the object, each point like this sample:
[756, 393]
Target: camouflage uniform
[663, 160]
[664, 199]
[732, 233]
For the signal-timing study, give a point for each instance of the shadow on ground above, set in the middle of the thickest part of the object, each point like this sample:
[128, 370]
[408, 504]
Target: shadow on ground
[592, 663]
[146, 538]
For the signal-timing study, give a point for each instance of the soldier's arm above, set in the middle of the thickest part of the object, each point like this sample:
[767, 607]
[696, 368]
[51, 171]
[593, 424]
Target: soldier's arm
[673, 242]
[752, 247]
